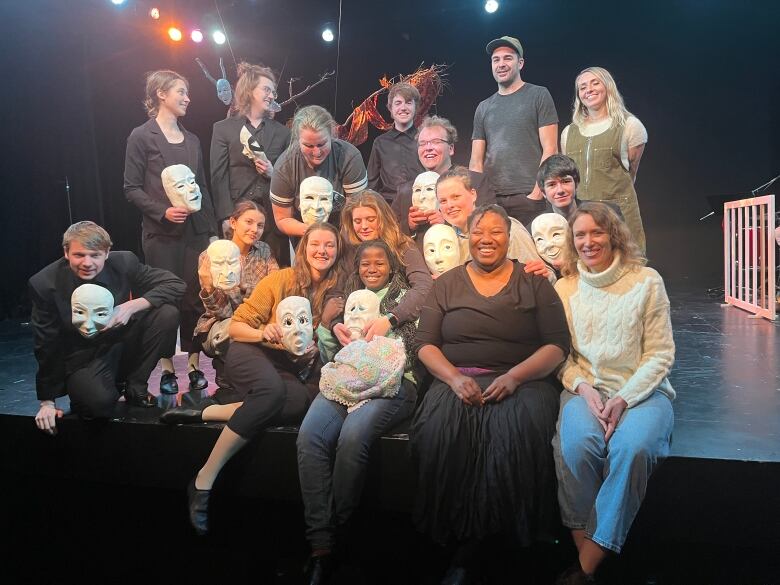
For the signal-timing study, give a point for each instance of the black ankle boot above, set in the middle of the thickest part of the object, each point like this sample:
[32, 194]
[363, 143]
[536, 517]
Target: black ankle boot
[198, 507]
[319, 569]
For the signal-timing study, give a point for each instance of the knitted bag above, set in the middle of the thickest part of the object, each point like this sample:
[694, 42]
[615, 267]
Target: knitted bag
[364, 370]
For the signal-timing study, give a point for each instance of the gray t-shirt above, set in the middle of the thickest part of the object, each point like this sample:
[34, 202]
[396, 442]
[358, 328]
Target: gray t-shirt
[510, 126]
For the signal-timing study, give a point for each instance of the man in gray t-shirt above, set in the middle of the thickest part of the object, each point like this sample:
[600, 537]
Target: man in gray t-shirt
[515, 129]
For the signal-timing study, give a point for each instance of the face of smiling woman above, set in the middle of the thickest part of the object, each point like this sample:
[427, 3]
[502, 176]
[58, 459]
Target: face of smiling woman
[321, 250]
[592, 243]
[489, 241]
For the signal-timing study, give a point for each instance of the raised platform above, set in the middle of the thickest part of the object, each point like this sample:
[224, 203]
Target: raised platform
[719, 485]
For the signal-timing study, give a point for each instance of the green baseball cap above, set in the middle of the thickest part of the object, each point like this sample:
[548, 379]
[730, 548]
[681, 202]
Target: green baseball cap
[510, 42]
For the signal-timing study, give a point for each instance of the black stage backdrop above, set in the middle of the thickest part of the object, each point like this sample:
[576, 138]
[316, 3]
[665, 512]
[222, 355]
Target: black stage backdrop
[701, 75]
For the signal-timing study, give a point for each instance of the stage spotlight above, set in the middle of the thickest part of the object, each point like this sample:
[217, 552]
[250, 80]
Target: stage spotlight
[219, 37]
[327, 35]
[491, 6]
[118, 2]
[174, 33]
[196, 35]
[155, 13]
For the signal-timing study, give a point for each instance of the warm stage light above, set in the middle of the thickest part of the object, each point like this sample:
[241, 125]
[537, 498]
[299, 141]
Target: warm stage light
[219, 37]
[174, 33]
[327, 35]
[155, 13]
[491, 6]
[197, 36]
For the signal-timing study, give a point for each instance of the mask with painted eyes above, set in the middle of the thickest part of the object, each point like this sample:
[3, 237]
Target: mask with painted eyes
[360, 310]
[315, 199]
[549, 233]
[225, 264]
[224, 91]
[91, 309]
[424, 191]
[293, 314]
[181, 188]
[441, 248]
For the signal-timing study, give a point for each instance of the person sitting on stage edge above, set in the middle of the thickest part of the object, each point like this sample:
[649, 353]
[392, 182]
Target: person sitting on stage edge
[313, 151]
[274, 384]
[335, 438]
[245, 228]
[141, 329]
[393, 161]
[616, 413]
[492, 335]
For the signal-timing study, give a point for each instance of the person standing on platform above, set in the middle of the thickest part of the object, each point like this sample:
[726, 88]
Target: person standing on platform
[616, 417]
[234, 175]
[393, 161]
[515, 130]
[606, 142]
[172, 236]
[141, 328]
[313, 151]
[435, 148]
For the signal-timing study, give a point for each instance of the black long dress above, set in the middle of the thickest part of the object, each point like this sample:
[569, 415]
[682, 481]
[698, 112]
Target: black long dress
[488, 470]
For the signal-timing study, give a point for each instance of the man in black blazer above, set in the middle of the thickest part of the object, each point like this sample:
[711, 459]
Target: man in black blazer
[234, 175]
[142, 327]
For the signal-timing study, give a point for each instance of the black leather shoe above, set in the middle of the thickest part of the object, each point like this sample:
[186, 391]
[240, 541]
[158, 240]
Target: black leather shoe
[182, 415]
[320, 569]
[198, 506]
[141, 400]
[197, 381]
[168, 383]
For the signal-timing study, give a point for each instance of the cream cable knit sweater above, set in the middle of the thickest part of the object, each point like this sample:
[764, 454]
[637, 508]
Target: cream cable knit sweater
[621, 332]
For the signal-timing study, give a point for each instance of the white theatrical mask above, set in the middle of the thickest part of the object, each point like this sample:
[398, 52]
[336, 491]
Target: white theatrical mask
[225, 264]
[315, 199]
[424, 191]
[360, 310]
[441, 247]
[293, 314]
[181, 187]
[91, 309]
[549, 233]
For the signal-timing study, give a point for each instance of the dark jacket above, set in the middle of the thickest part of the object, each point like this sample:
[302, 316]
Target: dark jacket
[148, 153]
[233, 175]
[59, 347]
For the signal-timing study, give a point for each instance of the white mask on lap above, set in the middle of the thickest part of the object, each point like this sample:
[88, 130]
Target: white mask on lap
[360, 310]
[293, 314]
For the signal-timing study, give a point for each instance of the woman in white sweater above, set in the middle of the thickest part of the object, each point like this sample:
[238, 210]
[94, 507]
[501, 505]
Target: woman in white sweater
[616, 416]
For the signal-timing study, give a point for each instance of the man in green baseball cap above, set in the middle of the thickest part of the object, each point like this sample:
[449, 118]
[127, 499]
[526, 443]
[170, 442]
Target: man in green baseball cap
[515, 129]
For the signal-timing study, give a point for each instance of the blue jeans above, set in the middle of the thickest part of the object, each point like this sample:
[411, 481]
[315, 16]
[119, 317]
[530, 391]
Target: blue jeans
[601, 485]
[333, 448]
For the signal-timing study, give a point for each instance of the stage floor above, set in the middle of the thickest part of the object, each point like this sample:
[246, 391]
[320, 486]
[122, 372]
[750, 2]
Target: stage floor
[726, 374]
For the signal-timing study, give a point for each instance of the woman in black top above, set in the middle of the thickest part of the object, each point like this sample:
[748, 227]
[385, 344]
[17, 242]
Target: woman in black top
[172, 237]
[491, 335]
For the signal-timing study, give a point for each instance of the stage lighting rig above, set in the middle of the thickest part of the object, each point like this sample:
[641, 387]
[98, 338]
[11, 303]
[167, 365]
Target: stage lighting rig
[491, 6]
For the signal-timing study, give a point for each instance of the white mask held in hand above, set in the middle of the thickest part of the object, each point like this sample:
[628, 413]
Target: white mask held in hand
[360, 310]
[441, 247]
[424, 191]
[549, 233]
[293, 314]
[181, 188]
[315, 199]
[225, 263]
[91, 309]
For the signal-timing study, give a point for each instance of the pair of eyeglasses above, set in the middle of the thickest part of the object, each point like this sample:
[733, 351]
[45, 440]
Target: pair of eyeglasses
[269, 91]
[433, 142]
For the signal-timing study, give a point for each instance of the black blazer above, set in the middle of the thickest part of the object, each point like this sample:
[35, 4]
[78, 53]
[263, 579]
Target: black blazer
[59, 347]
[148, 153]
[233, 175]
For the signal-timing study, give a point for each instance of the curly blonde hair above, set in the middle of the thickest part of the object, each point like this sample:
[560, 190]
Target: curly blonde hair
[619, 238]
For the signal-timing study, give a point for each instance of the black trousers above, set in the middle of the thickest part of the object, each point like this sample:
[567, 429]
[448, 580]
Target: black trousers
[92, 387]
[180, 256]
[271, 391]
